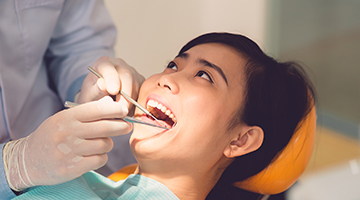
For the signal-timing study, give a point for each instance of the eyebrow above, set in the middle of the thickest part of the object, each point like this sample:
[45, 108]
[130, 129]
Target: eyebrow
[207, 64]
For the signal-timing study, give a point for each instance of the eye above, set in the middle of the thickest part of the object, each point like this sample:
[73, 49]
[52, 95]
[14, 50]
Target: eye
[172, 65]
[204, 75]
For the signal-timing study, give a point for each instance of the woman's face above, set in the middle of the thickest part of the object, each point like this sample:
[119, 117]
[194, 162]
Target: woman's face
[199, 92]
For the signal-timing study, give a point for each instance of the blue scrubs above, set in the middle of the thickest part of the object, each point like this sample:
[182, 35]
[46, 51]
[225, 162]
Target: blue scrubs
[45, 48]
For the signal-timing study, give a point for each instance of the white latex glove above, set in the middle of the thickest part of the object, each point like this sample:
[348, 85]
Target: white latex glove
[117, 75]
[65, 145]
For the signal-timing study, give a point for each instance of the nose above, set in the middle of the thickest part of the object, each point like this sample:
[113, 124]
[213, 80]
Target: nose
[168, 82]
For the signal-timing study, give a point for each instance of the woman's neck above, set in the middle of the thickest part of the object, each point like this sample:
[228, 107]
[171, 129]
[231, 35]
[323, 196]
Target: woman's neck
[186, 186]
[187, 183]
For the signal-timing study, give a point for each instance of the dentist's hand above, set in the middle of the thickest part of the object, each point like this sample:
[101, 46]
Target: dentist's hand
[66, 145]
[117, 75]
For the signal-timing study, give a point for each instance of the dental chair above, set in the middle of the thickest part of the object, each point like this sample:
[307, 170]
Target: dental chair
[279, 175]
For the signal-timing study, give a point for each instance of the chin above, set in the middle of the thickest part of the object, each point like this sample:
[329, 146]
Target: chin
[147, 141]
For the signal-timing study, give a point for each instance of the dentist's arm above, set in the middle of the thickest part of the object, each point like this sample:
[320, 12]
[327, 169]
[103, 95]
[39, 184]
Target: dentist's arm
[66, 145]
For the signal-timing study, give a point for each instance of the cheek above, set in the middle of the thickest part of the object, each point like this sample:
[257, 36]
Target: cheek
[149, 82]
[210, 104]
[205, 112]
[148, 85]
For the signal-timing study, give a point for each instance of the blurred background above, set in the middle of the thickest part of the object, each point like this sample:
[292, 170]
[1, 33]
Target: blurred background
[323, 35]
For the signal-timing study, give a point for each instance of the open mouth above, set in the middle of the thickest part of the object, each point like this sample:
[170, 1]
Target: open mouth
[161, 112]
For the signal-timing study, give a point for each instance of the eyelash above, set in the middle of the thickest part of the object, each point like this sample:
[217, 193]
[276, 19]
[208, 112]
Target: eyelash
[171, 65]
[201, 72]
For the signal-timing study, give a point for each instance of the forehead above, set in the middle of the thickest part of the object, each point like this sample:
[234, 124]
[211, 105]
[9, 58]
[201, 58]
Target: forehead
[231, 62]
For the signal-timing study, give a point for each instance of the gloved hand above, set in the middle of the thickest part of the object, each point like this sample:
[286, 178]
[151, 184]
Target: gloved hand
[65, 145]
[117, 75]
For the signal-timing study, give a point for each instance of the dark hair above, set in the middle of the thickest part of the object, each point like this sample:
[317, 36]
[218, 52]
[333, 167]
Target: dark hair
[277, 97]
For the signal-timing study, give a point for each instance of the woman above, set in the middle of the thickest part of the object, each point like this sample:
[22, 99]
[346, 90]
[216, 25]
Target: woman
[231, 109]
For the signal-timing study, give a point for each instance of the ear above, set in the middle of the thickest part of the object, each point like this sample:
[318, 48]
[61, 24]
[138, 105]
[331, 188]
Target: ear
[246, 140]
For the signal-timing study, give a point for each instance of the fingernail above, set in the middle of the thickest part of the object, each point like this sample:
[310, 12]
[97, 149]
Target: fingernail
[113, 88]
[101, 84]
[124, 105]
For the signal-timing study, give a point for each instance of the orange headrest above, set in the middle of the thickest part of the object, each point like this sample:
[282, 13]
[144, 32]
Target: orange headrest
[123, 173]
[289, 164]
[282, 172]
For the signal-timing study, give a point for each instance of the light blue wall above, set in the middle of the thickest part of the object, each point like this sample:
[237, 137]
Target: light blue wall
[324, 36]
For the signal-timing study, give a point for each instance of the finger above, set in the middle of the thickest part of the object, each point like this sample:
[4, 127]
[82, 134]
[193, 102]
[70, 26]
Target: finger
[97, 91]
[95, 146]
[109, 74]
[105, 108]
[101, 84]
[105, 128]
[88, 163]
[93, 88]
[126, 81]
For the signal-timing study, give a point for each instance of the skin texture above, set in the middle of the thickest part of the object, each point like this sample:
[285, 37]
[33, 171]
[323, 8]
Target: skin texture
[203, 100]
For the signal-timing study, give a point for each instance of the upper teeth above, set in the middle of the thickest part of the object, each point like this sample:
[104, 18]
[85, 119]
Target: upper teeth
[155, 104]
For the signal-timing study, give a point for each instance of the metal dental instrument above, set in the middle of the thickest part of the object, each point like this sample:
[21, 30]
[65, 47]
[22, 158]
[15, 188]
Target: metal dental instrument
[133, 120]
[127, 97]
[69, 104]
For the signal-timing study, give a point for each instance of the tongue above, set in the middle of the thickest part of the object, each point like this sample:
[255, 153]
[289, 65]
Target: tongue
[164, 123]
